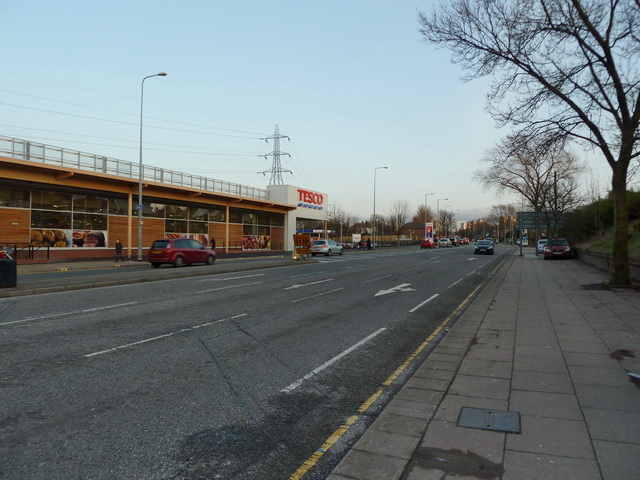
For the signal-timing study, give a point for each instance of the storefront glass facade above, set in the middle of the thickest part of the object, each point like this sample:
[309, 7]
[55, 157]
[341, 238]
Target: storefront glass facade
[62, 219]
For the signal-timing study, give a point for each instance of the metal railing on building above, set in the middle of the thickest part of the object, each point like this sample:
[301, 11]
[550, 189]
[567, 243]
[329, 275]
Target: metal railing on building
[42, 153]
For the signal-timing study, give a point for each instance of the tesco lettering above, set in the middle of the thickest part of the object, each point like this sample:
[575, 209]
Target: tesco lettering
[310, 197]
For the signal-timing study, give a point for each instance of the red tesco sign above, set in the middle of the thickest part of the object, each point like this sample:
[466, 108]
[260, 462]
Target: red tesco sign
[310, 197]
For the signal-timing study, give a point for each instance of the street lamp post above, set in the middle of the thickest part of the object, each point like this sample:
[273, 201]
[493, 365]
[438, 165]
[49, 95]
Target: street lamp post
[139, 206]
[438, 210]
[373, 222]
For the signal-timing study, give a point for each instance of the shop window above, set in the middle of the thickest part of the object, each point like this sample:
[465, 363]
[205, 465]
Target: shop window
[49, 219]
[118, 206]
[249, 229]
[176, 211]
[200, 214]
[152, 209]
[198, 227]
[50, 200]
[249, 218]
[85, 221]
[235, 216]
[263, 219]
[277, 220]
[263, 230]
[175, 226]
[90, 204]
[217, 215]
[14, 197]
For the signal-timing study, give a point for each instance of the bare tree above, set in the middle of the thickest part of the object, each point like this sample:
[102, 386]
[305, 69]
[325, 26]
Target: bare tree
[531, 167]
[447, 221]
[569, 67]
[399, 216]
[425, 213]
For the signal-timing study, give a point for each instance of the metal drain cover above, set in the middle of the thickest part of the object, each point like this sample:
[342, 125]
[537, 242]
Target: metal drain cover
[484, 419]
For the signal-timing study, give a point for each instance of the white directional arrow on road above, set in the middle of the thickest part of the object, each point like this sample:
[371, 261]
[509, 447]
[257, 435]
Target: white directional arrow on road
[399, 288]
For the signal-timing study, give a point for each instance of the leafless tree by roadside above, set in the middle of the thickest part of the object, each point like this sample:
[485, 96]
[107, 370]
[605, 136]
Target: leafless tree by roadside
[399, 216]
[565, 67]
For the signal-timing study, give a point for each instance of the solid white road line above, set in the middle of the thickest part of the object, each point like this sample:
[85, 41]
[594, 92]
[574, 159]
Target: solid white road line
[65, 314]
[423, 303]
[328, 363]
[146, 340]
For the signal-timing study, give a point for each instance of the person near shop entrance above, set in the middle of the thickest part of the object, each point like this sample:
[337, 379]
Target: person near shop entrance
[119, 251]
[213, 243]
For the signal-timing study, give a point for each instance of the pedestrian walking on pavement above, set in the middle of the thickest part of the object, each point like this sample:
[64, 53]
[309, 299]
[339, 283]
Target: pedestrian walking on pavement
[213, 243]
[119, 251]
[368, 244]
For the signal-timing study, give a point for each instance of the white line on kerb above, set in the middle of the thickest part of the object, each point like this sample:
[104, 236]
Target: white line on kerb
[140, 342]
[424, 303]
[328, 363]
[65, 314]
[228, 287]
[317, 295]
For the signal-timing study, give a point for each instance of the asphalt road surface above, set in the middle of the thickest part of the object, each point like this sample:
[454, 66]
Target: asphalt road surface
[231, 376]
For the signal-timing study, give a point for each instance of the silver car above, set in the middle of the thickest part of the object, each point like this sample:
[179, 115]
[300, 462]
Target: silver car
[541, 243]
[444, 243]
[327, 247]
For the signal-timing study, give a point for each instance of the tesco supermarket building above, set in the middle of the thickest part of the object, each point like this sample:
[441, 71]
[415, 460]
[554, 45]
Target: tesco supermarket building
[58, 203]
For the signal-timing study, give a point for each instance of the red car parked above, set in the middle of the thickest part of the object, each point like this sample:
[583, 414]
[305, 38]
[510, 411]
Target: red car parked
[180, 252]
[557, 248]
[427, 243]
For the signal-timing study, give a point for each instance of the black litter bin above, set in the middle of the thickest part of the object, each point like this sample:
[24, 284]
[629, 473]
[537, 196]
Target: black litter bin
[8, 273]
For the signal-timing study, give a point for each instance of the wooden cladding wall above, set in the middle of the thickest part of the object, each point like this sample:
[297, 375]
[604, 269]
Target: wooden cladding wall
[14, 226]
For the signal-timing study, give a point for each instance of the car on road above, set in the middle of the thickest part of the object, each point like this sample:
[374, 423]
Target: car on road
[326, 247]
[427, 243]
[483, 246]
[180, 252]
[540, 246]
[444, 243]
[557, 248]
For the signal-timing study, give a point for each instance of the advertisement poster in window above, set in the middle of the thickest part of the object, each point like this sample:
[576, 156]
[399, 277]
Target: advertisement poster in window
[49, 237]
[60, 238]
[256, 242]
[89, 238]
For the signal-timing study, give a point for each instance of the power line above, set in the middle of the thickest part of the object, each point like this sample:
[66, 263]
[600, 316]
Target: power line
[121, 122]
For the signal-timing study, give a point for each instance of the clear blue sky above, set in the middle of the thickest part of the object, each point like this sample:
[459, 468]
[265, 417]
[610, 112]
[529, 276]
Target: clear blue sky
[349, 82]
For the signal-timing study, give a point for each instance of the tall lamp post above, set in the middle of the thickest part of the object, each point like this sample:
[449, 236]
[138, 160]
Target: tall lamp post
[373, 222]
[139, 206]
[438, 210]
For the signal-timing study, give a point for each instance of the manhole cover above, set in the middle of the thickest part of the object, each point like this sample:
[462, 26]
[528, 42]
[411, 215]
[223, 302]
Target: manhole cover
[484, 419]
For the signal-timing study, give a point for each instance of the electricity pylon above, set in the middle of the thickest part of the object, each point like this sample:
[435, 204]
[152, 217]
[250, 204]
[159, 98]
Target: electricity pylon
[276, 168]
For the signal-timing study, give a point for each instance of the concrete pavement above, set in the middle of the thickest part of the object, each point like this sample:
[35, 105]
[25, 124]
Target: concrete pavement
[544, 343]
